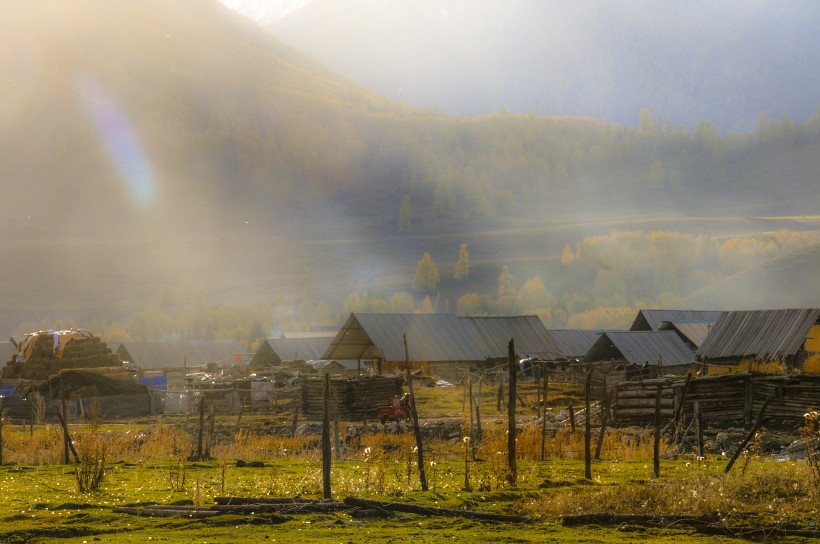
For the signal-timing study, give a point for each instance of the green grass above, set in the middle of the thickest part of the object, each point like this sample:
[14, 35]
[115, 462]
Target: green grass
[147, 464]
[42, 504]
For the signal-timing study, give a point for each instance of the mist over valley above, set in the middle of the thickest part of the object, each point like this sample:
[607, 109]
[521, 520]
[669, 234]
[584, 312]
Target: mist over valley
[163, 162]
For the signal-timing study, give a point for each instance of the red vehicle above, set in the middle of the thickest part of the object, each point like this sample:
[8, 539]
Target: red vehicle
[398, 409]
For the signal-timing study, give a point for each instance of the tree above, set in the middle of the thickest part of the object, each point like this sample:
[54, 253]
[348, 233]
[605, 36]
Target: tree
[505, 288]
[405, 222]
[426, 278]
[646, 121]
[463, 264]
[567, 256]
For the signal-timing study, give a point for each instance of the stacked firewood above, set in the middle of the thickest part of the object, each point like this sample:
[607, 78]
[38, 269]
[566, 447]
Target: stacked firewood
[728, 398]
[353, 396]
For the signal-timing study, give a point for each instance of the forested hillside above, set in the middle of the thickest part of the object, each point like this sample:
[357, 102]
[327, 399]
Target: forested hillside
[148, 142]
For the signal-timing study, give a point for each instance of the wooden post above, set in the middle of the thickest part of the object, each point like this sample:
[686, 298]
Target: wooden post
[1, 430]
[64, 412]
[588, 429]
[337, 441]
[572, 417]
[294, 423]
[201, 426]
[326, 439]
[747, 401]
[479, 433]
[472, 421]
[415, 416]
[499, 401]
[656, 456]
[679, 410]
[545, 388]
[211, 425]
[749, 436]
[604, 420]
[699, 423]
[511, 432]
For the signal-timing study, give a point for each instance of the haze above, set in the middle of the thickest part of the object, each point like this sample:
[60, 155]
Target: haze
[685, 61]
[164, 160]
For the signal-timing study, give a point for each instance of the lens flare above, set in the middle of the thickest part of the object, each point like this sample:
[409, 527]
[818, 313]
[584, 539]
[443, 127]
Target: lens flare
[119, 139]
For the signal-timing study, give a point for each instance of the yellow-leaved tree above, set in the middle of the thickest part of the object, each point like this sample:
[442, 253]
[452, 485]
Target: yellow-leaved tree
[426, 278]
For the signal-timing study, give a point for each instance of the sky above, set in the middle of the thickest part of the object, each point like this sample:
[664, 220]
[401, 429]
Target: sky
[685, 60]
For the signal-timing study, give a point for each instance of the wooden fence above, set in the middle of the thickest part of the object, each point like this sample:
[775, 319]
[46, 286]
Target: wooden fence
[351, 397]
[733, 398]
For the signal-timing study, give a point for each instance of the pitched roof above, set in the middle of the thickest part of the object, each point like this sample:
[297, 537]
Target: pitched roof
[574, 342]
[309, 349]
[430, 337]
[650, 320]
[763, 334]
[530, 337]
[177, 354]
[641, 347]
[693, 331]
[7, 352]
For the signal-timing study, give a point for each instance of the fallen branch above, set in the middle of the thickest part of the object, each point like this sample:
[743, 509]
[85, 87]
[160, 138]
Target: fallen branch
[707, 524]
[645, 519]
[433, 511]
[284, 508]
[166, 511]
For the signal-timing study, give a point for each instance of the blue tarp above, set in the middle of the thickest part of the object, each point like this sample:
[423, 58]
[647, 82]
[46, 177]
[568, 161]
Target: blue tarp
[7, 390]
[155, 382]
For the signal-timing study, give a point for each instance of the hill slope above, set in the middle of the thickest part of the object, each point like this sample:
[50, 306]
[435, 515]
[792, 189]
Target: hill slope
[685, 61]
[150, 141]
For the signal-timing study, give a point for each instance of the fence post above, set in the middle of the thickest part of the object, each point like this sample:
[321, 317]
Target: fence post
[545, 388]
[415, 416]
[588, 429]
[656, 455]
[326, 439]
[511, 432]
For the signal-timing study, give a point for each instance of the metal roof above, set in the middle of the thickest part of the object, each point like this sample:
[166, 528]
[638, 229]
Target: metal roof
[693, 331]
[650, 320]
[528, 333]
[641, 347]
[309, 349]
[574, 342]
[430, 337]
[177, 354]
[763, 334]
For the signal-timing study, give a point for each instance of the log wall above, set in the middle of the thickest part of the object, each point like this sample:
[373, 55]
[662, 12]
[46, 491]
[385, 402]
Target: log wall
[727, 398]
[350, 397]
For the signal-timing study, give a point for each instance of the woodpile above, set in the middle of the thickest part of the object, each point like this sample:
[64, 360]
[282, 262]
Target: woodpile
[40, 361]
[636, 400]
[349, 397]
[720, 399]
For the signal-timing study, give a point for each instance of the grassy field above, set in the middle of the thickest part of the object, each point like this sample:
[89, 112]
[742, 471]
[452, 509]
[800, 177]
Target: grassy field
[42, 503]
[148, 462]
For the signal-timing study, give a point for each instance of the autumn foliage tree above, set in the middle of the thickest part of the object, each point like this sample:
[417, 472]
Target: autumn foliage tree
[427, 277]
[463, 264]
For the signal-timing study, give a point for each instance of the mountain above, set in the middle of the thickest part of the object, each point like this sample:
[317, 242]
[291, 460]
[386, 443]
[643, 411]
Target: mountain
[147, 142]
[685, 61]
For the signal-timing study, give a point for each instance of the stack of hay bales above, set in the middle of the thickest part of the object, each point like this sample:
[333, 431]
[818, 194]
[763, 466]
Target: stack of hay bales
[40, 361]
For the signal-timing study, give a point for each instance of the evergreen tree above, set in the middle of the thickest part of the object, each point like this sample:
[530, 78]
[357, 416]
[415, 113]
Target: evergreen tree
[463, 264]
[426, 278]
[505, 288]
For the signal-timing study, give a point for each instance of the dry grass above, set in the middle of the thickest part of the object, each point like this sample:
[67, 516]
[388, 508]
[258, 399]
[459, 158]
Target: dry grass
[812, 365]
[762, 367]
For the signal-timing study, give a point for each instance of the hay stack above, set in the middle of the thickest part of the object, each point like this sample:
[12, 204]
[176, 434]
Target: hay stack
[39, 361]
